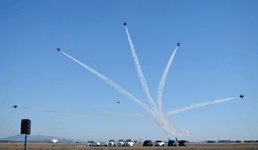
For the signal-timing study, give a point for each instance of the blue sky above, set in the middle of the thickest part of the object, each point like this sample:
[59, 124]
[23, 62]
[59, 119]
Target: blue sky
[217, 59]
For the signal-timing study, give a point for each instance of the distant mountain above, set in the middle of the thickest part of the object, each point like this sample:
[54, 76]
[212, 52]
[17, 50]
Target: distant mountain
[18, 137]
[21, 137]
[41, 138]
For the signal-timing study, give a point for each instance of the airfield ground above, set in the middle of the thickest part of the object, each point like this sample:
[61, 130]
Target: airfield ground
[138, 146]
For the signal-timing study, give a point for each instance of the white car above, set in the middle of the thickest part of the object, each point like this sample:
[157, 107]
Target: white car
[159, 143]
[112, 142]
[129, 142]
[96, 143]
[121, 143]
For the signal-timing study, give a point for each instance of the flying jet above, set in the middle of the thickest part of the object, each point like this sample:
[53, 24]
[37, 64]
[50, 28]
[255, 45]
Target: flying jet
[178, 44]
[14, 106]
[124, 24]
[58, 49]
[241, 96]
[118, 102]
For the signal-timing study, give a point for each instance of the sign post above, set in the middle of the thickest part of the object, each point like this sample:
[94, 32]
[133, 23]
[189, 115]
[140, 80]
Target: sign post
[25, 141]
[25, 129]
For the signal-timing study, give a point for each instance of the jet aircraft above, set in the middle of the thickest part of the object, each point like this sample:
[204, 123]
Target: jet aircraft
[241, 96]
[14, 106]
[178, 44]
[124, 24]
[58, 49]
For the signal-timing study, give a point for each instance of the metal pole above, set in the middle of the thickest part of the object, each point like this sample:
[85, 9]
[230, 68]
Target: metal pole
[25, 142]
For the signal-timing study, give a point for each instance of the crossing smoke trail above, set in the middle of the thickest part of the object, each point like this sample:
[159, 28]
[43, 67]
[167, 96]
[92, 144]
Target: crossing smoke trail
[88, 113]
[168, 127]
[140, 74]
[163, 80]
[159, 118]
[198, 105]
[113, 84]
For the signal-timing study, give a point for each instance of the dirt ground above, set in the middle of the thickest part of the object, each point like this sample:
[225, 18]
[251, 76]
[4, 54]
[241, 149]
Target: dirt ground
[138, 146]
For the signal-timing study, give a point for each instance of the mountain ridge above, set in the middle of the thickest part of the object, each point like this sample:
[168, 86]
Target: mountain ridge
[21, 137]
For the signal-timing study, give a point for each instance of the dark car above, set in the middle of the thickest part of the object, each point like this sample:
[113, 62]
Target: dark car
[148, 143]
[182, 143]
[171, 143]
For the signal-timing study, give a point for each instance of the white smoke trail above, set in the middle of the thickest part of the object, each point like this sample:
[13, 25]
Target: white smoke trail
[159, 118]
[88, 113]
[113, 84]
[198, 105]
[140, 74]
[163, 80]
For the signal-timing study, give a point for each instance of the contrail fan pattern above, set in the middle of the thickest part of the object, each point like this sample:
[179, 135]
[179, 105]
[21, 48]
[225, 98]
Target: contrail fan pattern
[157, 115]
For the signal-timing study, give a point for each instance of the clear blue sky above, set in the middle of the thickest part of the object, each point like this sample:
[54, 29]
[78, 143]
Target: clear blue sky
[217, 59]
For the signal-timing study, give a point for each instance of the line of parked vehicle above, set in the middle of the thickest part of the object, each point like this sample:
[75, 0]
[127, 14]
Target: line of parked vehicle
[130, 143]
[113, 143]
[160, 143]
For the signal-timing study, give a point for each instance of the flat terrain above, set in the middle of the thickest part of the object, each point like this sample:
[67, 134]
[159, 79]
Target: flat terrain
[138, 146]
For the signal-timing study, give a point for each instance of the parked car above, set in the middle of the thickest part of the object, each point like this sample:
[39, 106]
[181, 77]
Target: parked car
[182, 143]
[148, 143]
[171, 143]
[159, 143]
[129, 142]
[121, 143]
[112, 142]
[103, 144]
[96, 143]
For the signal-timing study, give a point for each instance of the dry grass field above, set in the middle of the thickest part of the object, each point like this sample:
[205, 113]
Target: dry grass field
[80, 146]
